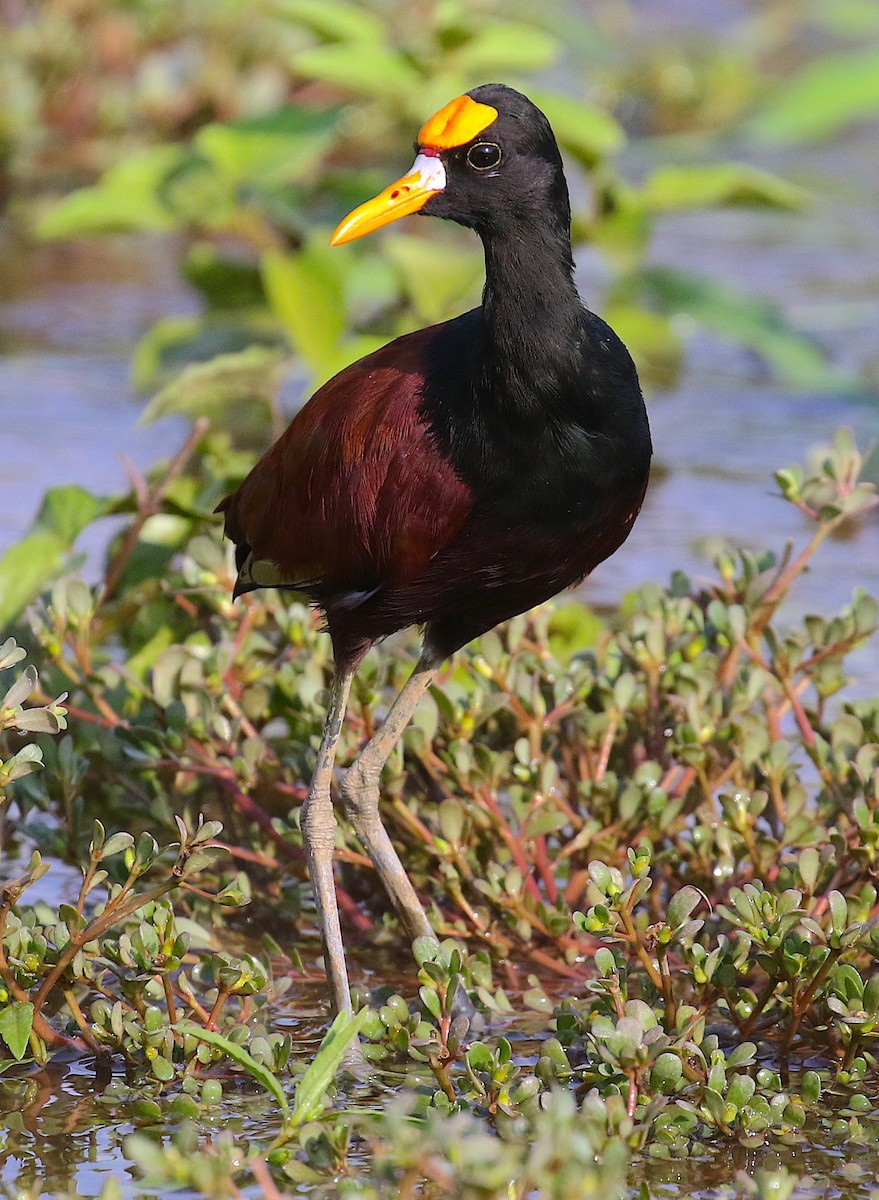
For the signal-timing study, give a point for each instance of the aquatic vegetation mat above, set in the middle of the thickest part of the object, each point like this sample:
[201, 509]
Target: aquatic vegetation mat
[649, 845]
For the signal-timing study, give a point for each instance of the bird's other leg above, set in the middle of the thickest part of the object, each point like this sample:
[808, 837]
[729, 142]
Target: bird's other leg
[318, 822]
[360, 790]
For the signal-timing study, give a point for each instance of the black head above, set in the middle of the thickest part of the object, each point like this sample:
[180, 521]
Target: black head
[488, 160]
[508, 174]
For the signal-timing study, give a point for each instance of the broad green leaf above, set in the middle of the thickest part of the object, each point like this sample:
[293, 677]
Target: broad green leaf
[304, 291]
[197, 193]
[127, 198]
[281, 146]
[176, 342]
[666, 1073]
[573, 628]
[681, 905]
[435, 275]
[623, 230]
[838, 911]
[824, 98]
[16, 1022]
[26, 568]
[244, 1059]
[226, 284]
[369, 70]
[320, 1074]
[251, 377]
[506, 46]
[601, 875]
[672, 189]
[339, 21]
[651, 339]
[585, 131]
[67, 510]
[754, 323]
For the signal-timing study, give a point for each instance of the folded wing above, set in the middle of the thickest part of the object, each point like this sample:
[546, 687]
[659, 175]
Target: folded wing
[354, 497]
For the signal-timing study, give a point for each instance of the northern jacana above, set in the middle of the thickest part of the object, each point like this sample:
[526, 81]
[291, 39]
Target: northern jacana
[456, 477]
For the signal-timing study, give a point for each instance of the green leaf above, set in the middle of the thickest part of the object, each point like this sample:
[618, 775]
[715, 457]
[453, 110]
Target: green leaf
[740, 1090]
[811, 1087]
[755, 323]
[678, 188]
[822, 100]
[25, 569]
[162, 1068]
[116, 844]
[320, 1074]
[21, 689]
[67, 510]
[666, 1073]
[16, 1022]
[279, 147]
[207, 389]
[681, 905]
[304, 291]
[127, 198]
[838, 911]
[244, 1059]
[601, 875]
[39, 720]
[27, 760]
[10, 654]
[651, 339]
[431, 1002]
[743, 1053]
[505, 46]
[436, 275]
[573, 628]
[370, 70]
[588, 133]
[605, 963]
[33, 562]
[338, 21]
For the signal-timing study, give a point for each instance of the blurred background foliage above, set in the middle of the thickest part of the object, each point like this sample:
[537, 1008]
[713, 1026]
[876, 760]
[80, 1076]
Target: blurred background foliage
[249, 129]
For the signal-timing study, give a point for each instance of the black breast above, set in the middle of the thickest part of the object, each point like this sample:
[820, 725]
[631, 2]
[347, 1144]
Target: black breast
[547, 450]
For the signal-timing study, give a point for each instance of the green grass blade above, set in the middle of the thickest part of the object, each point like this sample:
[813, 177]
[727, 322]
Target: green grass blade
[238, 1054]
[322, 1071]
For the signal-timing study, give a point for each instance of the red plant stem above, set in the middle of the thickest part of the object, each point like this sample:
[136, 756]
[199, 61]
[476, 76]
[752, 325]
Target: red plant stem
[545, 868]
[632, 1102]
[513, 844]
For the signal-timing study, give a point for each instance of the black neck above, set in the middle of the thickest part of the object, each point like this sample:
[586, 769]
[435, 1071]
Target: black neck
[531, 316]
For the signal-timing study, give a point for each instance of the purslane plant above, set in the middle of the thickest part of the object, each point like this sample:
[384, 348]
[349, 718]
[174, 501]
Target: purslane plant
[625, 834]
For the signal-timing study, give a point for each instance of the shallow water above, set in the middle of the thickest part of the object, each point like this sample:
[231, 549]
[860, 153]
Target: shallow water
[65, 1125]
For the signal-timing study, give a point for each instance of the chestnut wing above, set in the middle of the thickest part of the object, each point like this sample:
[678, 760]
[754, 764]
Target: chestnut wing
[355, 495]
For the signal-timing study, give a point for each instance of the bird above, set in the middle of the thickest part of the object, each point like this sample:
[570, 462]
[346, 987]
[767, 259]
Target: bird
[456, 477]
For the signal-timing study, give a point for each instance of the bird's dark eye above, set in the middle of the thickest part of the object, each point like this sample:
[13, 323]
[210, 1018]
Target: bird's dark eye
[484, 155]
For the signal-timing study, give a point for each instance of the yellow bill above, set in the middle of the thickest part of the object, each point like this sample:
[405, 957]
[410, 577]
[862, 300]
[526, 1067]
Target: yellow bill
[455, 125]
[407, 195]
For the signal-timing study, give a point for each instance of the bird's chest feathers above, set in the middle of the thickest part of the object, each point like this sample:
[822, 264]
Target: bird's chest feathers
[532, 470]
[532, 457]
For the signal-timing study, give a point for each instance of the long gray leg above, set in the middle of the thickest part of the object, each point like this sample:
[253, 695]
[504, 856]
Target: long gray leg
[360, 790]
[318, 822]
